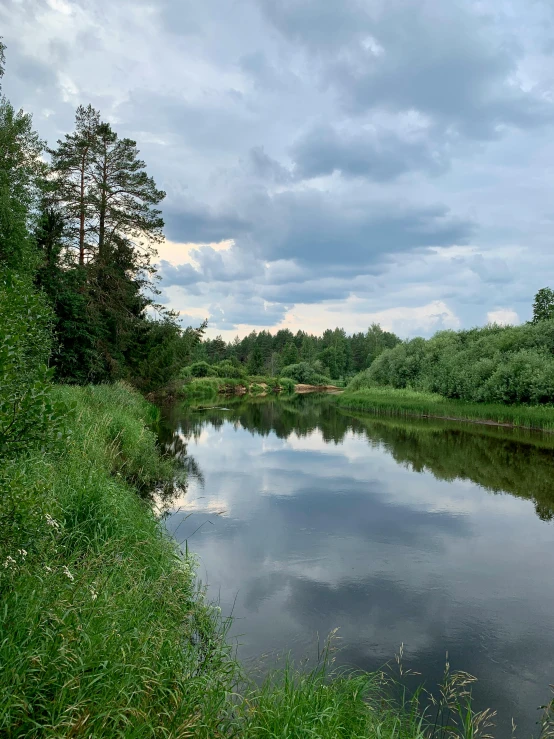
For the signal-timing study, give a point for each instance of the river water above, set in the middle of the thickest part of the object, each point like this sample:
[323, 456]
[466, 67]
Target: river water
[306, 518]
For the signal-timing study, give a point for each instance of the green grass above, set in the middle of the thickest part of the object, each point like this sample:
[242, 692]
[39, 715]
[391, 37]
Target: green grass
[413, 403]
[104, 630]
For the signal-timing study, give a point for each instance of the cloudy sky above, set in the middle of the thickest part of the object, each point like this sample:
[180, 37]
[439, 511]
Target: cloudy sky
[326, 162]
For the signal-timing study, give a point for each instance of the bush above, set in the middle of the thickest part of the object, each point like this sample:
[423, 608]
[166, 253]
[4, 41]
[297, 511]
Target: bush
[513, 364]
[200, 369]
[305, 373]
[28, 413]
[226, 368]
[286, 384]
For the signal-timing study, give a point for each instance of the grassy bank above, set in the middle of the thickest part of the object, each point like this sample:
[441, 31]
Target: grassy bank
[413, 403]
[103, 630]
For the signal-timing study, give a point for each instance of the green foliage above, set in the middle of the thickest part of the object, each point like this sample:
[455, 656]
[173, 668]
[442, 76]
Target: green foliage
[334, 354]
[21, 175]
[306, 374]
[543, 305]
[28, 414]
[289, 355]
[201, 369]
[227, 368]
[104, 632]
[286, 384]
[256, 361]
[418, 403]
[494, 364]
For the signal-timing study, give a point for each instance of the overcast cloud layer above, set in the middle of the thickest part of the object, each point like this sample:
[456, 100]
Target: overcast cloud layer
[327, 162]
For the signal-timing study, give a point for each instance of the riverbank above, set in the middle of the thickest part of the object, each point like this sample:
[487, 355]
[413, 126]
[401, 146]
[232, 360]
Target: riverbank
[105, 632]
[418, 404]
[211, 387]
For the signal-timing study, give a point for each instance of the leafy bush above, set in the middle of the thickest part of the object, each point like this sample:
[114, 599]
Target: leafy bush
[28, 413]
[286, 384]
[305, 373]
[513, 364]
[199, 369]
[226, 368]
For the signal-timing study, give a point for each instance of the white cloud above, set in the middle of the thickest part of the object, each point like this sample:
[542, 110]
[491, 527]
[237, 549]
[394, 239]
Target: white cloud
[503, 317]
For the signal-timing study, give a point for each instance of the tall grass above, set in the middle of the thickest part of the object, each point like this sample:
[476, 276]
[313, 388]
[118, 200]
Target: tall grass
[104, 632]
[406, 402]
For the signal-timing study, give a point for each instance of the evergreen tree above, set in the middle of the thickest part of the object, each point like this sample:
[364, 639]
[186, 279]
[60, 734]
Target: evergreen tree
[72, 181]
[289, 355]
[124, 199]
[256, 361]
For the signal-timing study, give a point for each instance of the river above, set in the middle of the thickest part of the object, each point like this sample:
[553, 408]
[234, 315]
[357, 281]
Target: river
[306, 518]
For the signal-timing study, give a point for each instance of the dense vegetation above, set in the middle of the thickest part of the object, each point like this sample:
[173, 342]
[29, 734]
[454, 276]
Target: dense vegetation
[494, 364]
[303, 357]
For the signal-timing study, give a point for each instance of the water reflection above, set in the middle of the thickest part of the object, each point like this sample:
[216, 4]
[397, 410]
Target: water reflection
[387, 530]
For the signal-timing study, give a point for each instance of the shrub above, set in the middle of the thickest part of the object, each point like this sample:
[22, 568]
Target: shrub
[201, 369]
[305, 373]
[226, 368]
[513, 364]
[28, 413]
[286, 384]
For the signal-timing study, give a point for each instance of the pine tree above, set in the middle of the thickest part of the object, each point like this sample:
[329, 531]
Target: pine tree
[72, 182]
[256, 361]
[124, 198]
[289, 354]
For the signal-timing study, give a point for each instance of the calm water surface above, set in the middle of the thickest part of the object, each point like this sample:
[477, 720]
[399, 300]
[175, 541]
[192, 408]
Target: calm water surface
[425, 533]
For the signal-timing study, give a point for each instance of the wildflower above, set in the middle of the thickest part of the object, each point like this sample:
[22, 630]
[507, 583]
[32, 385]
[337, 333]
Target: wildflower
[93, 594]
[67, 573]
[52, 522]
[9, 562]
[22, 552]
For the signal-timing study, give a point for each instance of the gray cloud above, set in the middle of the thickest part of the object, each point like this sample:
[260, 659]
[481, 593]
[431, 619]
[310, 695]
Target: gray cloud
[333, 142]
[377, 155]
[190, 221]
[227, 313]
[316, 227]
[446, 60]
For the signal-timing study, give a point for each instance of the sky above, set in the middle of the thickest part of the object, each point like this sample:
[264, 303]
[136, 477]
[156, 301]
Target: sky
[326, 162]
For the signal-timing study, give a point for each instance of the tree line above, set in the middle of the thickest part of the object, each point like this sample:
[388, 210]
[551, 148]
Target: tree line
[334, 354]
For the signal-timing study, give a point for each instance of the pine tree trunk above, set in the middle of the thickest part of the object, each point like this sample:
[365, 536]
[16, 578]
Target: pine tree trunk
[82, 213]
[103, 206]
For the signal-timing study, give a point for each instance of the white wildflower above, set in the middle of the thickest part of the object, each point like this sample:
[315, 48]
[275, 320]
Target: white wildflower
[52, 522]
[22, 552]
[9, 562]
[93, 594]
[67, 573]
